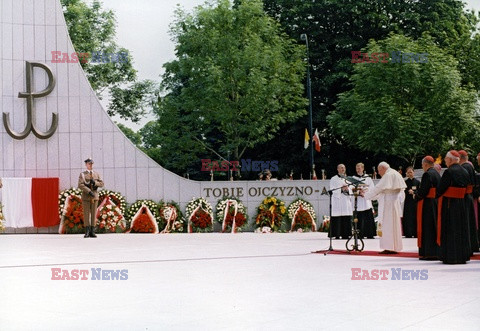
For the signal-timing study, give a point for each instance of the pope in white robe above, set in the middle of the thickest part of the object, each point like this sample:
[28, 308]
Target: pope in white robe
[389, 192]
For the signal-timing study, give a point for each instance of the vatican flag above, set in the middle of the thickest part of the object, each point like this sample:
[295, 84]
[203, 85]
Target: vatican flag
[307, 139]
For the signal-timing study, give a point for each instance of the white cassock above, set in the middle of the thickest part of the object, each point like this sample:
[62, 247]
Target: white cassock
[390, 194]
[362, 203]
[341, 203]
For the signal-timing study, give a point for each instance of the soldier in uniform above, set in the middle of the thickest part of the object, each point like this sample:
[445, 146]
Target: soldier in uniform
[89, 181]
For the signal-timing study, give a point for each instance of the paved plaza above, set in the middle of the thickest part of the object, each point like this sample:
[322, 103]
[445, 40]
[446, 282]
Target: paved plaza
[214, 281]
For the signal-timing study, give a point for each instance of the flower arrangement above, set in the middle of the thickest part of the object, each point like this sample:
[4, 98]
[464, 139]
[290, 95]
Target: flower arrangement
[302, 216]
[117, 198]
[172, 219]
[232, 214]
[63, 195]
[110, 217]
[199, 215]
[145, 214]
[270, 213]
[144, 221]
[2, 221]
[72, 215]
[325, 226]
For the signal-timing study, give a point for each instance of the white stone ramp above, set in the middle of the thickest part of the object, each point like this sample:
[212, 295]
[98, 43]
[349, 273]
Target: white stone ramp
[219, 281]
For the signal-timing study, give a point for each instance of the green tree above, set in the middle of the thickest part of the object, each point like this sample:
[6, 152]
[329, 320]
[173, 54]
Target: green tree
[335, 29]
[134, 137]
[406, 109]
[92, 29]
[237, 78]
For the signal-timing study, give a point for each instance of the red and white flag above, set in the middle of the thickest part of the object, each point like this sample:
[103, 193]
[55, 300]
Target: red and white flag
[316, 140]
[29, 202]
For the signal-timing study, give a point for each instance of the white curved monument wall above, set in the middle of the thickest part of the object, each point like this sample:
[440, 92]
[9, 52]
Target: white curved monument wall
[30, 31]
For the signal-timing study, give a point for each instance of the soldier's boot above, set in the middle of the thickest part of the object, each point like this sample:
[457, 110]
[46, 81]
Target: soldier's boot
[87, 232]
[92, 233]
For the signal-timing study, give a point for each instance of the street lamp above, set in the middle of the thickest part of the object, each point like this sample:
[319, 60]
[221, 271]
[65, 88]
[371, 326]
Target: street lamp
[304, 37]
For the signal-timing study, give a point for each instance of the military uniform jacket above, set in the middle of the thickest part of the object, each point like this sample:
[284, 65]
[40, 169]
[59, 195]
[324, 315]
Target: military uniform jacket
[84, 184]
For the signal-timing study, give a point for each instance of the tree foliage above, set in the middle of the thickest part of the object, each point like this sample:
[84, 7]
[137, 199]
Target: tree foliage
[92, 29]
[405, 109]
[133, 136]
[335, 29]
[237, 78]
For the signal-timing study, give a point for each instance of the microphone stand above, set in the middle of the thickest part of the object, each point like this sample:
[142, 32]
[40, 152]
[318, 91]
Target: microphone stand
[330, 248]
[349, 181]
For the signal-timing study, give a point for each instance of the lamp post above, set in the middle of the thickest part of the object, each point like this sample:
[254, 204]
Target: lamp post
[304, 37]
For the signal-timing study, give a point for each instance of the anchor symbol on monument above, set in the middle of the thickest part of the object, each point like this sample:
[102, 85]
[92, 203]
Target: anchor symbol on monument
[30, 96]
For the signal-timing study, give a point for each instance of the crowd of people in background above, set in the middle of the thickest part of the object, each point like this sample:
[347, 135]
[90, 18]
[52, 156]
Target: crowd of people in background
[440, 209]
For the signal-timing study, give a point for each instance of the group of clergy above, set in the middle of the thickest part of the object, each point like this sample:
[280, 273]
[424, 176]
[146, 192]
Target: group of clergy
[446, 208]
[447, 226]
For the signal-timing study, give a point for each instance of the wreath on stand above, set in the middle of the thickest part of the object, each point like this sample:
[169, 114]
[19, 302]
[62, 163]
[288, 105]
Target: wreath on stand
[2, 221]
[110, 217]
[302, 216]
[232, 214]
[172, 217]
[70, 211]
[199, 215]
[143, 217]
[270, 215]
[115, 197]
[325, 226]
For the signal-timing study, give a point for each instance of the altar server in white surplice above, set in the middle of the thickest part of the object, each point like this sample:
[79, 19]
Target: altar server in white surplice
[366, 220]
[341, 205]
[390, 194]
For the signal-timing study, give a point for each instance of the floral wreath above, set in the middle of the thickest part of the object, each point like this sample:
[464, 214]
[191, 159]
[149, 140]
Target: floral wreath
[199, 215]
[70, 211]
[302, 216]
[137, 206]
[2, 221]
[325, 226]
[110, 217]
[172, 219]
[63, 195]
[72, 216]
[117, 198]
[270, 214]
[232, 214]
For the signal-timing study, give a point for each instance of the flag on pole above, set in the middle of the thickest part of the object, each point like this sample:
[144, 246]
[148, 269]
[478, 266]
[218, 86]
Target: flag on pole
[307, 139]
[316, 140]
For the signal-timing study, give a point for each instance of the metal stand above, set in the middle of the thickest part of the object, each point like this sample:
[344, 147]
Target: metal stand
[330, 193]
[357, 244]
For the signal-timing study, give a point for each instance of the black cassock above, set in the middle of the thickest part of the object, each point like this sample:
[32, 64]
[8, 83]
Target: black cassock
[427, 238]
[454, 237]
[409, 222]
[470, 209]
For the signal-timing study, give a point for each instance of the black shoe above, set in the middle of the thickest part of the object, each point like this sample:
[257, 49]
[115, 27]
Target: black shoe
[87, 232]
[92, 234]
